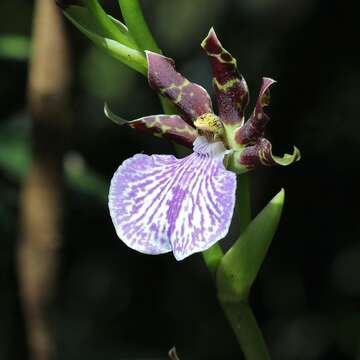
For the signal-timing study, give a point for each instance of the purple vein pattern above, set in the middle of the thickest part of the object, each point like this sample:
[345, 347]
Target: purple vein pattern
[160, 203]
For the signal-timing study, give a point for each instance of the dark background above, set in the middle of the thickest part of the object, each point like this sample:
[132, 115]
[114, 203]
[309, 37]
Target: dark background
[114, 303]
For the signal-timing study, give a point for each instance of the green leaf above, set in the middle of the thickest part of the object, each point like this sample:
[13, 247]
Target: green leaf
[105, 24]
[240, 265]
[134, 19]
[85, 18]
[131, 57]
[14, 47]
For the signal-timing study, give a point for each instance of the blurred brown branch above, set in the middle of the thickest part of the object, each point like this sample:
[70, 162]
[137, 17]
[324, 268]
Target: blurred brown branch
[42, 201]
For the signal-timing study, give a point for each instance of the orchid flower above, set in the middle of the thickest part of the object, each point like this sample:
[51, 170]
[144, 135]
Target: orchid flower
[159, 203]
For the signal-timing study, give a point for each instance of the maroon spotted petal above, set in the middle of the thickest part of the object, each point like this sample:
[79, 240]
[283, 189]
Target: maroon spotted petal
[254, 128]
[171, 127]
[192, 99]
[230, 87]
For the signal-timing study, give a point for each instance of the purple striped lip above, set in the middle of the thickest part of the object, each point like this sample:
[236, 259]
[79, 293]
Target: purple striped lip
[160, 203]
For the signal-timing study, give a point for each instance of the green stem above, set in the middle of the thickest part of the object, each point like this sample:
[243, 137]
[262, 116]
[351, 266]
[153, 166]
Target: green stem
[246, 329]
[238, 313]
[212, 258]
[135, 21]
[243, 201]
[237, 310]
[105, 22]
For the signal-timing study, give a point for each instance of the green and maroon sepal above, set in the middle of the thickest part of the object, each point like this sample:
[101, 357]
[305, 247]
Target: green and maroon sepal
[261, 154]
[171, 127]
[191, 99]
[251, 148]
[254, 128]
[230, 87]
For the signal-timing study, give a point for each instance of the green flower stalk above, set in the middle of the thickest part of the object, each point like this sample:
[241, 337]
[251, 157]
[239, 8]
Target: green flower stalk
[159, 203]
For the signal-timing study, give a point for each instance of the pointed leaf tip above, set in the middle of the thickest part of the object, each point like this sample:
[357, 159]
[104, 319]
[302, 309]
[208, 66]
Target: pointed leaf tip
[114, 118]
[279, 198]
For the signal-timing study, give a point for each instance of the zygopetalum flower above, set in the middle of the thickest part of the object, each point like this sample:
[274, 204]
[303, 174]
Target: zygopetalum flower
[160, 203]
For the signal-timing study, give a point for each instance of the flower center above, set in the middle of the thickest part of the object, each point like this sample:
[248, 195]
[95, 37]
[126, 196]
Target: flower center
[209, 124]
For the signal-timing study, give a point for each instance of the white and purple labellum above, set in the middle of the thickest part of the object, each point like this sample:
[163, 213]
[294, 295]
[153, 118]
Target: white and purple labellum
[160, 203]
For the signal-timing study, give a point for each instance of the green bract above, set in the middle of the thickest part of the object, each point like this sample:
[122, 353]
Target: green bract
[109, 34]
[239, 266]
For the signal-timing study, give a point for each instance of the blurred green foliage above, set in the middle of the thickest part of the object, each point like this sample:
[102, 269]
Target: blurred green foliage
[15, 158]
[110, 81]
[14, 47]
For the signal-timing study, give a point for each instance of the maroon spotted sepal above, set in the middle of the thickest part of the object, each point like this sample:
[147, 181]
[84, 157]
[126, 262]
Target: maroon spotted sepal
[261, 154]
[254, 128]
[230, 87]
[171, 127]
[192, 99]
